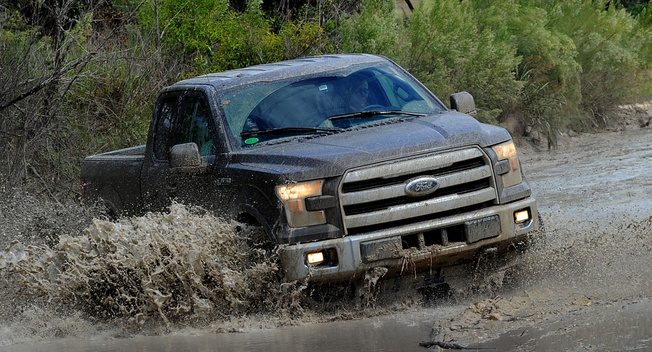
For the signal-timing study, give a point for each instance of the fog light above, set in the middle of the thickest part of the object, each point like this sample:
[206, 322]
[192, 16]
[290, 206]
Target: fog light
[315, 257]
[522, 216]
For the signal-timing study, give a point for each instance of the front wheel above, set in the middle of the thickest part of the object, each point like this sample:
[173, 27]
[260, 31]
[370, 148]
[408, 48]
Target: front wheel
[533, 237]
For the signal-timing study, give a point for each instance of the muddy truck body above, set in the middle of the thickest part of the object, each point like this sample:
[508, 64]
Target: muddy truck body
[347, 162]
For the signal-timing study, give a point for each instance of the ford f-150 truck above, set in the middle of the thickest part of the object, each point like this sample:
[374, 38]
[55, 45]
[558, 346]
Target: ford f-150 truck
[347, 162]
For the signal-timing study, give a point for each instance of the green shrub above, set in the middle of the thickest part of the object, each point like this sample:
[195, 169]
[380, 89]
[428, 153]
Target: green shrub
[547, 71]
[216, 38]
[375, 30]
[611, 48]
[449, 52]
[301, 39]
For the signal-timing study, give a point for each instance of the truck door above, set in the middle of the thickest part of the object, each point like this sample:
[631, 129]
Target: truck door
[207, 188]
[206, 185]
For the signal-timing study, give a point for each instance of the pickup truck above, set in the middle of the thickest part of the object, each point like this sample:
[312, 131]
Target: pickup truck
[347, 162]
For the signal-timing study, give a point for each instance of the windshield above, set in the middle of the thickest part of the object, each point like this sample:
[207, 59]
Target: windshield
[323, 103]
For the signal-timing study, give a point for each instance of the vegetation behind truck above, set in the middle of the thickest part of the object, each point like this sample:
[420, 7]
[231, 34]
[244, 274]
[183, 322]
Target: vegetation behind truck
[346, 161]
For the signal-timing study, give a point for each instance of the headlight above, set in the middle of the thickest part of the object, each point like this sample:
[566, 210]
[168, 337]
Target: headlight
[294, 196]
[505, 150]
[508, 165]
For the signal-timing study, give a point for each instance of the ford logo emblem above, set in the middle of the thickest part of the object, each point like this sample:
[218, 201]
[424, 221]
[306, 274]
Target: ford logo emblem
[421, 186]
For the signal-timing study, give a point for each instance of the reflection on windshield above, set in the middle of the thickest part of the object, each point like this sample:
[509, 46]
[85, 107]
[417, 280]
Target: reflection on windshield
[286, 108]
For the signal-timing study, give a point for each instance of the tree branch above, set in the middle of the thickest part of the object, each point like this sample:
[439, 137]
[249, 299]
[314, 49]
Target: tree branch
[54, 76]
[10, 134]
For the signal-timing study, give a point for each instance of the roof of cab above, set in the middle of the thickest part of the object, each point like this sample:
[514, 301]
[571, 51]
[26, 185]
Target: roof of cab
[274, 71]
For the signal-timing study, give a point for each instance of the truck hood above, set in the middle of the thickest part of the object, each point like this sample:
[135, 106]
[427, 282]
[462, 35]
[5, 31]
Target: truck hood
[319, 156]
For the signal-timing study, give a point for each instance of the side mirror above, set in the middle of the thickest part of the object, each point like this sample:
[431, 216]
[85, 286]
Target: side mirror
[464, 103]
[185, 158]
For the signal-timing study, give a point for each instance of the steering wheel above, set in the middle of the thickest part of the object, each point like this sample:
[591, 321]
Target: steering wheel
[255, 122]
[374, 107]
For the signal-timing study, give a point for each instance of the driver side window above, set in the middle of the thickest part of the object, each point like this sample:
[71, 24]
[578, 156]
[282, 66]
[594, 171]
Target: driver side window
[192, 122]
[195, 125]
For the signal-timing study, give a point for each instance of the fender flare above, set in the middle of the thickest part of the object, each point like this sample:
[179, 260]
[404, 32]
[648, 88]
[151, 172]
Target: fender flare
[252, 202]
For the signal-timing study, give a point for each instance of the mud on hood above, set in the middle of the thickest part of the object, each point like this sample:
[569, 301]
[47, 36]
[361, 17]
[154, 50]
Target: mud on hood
[319, 156]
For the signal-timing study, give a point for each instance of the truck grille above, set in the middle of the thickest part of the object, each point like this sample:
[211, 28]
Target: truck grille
[374, 197]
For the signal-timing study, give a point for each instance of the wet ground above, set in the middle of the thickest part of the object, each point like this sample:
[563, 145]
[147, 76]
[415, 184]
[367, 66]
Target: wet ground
[595, 294]
[586, 286]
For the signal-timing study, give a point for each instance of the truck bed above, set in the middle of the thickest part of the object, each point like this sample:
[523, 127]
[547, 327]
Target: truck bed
[119, 154]
[119, 171]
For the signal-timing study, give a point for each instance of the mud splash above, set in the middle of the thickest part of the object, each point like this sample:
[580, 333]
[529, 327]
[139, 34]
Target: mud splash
[152, 272]
[161, 273]
[33, 219]
[575, 268]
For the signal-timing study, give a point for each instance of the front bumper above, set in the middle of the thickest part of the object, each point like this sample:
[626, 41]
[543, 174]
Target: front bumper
[390, 248]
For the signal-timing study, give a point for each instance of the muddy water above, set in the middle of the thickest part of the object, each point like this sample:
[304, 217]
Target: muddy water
[72, 284]
[613, 327]
[368, 335]
[588, 286]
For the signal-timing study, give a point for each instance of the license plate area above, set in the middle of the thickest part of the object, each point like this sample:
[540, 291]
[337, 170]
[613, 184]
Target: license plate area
[381, 249]
[480, 229]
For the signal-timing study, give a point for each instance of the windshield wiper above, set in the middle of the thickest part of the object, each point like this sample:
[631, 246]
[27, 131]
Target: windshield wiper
[373, 113]
[289, 130]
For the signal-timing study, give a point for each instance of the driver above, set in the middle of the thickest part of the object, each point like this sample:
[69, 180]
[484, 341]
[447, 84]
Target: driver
[359, 95]
[356, 93]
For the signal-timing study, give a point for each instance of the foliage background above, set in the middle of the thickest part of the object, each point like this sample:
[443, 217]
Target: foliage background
[78, 77]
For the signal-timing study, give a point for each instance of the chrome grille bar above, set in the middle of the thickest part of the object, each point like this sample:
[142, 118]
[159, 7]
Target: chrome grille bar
[376, 195]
